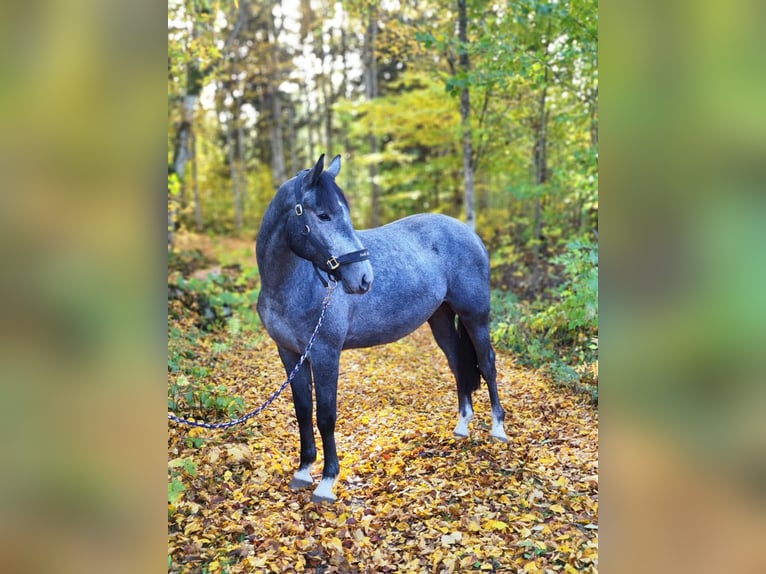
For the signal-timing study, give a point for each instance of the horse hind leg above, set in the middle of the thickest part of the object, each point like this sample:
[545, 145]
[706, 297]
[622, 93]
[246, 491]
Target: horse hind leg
[478, 334]
[462, 362]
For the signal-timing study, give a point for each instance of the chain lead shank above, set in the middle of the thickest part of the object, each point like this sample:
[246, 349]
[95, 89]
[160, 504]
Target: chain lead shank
[325, 303]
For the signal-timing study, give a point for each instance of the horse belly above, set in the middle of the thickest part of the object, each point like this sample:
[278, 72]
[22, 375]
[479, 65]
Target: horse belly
[380, 324]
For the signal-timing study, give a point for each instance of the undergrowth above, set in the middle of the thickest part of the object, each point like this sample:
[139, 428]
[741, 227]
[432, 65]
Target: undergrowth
[557, 333]
[210, 313]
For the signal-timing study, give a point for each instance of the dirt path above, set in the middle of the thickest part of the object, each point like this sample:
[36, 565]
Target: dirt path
[411, 498]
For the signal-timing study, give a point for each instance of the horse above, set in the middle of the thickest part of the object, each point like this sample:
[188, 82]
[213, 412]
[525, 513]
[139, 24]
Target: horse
[425, 267]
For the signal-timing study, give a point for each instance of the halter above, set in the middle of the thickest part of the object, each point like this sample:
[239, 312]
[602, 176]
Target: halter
[332, 262]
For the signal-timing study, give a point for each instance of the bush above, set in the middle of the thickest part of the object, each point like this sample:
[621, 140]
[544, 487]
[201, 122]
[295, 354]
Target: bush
[559, 335]
[215, 312]
[220, 299]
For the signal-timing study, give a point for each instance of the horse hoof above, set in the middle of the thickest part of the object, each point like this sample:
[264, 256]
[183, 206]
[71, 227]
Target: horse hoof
[320, 499]
[460, 435]
[323, 492]
[301, 479]
[298, 483]
[499, 438]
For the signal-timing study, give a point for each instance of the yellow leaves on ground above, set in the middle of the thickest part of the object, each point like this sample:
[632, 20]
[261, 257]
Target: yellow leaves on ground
[411, 498]
[450, 539]
[495, 525]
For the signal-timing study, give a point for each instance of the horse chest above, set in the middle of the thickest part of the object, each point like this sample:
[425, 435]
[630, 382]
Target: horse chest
[283, 319]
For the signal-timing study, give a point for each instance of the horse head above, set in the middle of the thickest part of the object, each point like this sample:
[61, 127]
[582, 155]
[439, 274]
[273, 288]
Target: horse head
[321, 228]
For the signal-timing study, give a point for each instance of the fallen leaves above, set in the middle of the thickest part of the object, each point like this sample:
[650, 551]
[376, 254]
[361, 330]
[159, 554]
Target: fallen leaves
[495, 525]
[411, 498]
[450, 539]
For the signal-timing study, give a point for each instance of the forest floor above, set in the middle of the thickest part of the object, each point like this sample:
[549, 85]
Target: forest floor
[411, 497]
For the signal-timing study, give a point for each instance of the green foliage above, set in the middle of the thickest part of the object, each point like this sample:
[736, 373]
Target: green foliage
[220, 299]
[578, 295]
[180, 469]
[208, 313]
[559, 334]
[419, 167]
[204, 397]
[176, 489]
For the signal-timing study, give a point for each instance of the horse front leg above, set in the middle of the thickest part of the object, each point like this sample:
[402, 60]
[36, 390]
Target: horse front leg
[304, 406]
[325, 368]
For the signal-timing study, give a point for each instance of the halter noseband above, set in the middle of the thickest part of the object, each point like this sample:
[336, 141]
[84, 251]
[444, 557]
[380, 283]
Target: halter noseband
[332, 262]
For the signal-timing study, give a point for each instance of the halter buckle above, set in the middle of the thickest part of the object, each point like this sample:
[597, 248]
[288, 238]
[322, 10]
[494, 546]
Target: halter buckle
[298, 209]
[332, 263]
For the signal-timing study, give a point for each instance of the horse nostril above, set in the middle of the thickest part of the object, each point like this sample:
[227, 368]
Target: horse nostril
[365, 284]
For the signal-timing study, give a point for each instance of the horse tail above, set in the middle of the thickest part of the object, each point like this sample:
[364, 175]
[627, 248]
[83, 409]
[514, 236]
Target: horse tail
[468, 363]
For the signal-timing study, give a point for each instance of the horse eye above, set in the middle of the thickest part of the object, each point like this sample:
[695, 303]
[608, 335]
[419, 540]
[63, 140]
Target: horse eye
[324, 217]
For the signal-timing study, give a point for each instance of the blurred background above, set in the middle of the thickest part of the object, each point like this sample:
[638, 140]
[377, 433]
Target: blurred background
[683, 231]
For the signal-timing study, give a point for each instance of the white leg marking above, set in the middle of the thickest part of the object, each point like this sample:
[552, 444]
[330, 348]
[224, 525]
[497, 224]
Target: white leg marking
[498, 431]
[323, 492]
[301, 478]
[461, 429]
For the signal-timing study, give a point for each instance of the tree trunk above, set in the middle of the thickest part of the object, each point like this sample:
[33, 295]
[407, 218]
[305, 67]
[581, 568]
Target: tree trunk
[241, 165]
[195, 180]
[234, 176]
[350, 176]
[371, 89]
[292, 137]
[465, 115]
[276, 132]
[310, 128]
[327, 98]
[541, 168]
[182, 152]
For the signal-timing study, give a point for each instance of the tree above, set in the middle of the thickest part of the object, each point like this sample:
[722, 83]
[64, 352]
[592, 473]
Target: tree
[371, 92]
[465, 113]
[198, 58]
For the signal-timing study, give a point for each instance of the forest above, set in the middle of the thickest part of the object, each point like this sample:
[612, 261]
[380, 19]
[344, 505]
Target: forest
[483, 111]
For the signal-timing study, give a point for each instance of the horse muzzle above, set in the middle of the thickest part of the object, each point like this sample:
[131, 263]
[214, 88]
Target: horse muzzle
[357, 278]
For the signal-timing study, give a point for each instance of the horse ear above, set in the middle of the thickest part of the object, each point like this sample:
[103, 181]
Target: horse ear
[316, 171]
[334, 168]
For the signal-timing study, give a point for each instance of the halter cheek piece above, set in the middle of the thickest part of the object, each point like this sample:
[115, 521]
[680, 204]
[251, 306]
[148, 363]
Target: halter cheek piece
[332, 262]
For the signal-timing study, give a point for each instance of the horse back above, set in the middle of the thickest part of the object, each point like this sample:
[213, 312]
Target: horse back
[444, 243]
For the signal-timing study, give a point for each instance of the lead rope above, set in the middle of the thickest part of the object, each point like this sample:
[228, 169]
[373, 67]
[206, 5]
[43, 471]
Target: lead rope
[325, 303]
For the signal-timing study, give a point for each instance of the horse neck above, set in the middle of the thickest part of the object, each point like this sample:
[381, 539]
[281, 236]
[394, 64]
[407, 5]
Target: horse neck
[276, 259]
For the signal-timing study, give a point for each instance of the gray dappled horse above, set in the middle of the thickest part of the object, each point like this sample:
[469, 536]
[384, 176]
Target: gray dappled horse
[427, 267]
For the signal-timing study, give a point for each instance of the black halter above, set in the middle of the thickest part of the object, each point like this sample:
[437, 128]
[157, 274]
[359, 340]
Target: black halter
[331, 262]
